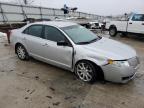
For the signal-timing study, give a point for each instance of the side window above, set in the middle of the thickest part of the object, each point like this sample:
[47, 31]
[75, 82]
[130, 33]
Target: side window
[53, 34]
[34, 30]
[26, 31]
[138, 17]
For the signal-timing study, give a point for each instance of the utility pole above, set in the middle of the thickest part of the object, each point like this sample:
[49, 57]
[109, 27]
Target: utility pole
[25, 2]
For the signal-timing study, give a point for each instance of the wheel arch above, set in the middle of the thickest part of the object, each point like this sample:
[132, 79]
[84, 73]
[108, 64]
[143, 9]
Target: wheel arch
[112, 26]
[18, 43]
[97, 67]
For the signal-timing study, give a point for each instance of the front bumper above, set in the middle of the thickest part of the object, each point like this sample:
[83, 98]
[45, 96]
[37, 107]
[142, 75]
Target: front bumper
[119, 74]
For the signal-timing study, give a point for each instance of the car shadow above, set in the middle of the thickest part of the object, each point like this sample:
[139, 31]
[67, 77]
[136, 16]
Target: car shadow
[135, 37]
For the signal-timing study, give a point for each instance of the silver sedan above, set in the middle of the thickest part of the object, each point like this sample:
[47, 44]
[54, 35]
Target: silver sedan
[75, 48]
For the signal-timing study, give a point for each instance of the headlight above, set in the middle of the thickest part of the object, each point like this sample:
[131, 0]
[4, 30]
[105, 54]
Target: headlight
[118, 63]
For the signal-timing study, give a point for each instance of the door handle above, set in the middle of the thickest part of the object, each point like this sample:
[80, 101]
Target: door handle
[142, 23]
[130, 23]
[24, 38]
[45, 44]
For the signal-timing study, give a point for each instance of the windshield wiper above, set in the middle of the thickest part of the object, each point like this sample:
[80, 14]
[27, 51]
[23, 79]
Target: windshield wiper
[81, 43]
[88, 42]
[91, 41]
[96, 39]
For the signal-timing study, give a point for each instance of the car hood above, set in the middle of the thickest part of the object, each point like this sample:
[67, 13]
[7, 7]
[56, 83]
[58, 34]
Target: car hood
[111, 49]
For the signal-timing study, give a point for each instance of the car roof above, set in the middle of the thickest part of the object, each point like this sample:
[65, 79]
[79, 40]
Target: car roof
[56, 23]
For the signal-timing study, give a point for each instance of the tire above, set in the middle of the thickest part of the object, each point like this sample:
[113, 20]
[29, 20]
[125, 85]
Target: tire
[21, 52]
[86, 71]
[112, 31]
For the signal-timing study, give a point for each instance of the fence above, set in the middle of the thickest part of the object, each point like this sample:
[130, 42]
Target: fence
[17, 13]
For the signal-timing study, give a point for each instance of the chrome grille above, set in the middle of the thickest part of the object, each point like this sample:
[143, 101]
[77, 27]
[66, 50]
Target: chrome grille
[133, 62]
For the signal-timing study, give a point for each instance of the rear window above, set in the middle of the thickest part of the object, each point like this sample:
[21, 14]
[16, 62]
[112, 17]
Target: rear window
[34, 30]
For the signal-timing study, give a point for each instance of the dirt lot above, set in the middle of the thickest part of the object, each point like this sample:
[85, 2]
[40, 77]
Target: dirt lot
[34, 84]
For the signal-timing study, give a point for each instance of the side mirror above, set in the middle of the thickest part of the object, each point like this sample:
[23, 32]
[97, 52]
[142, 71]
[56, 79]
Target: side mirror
[62, 43]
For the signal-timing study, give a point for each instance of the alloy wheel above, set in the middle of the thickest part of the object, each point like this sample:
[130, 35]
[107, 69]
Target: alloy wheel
[84, 71]
[21, 52]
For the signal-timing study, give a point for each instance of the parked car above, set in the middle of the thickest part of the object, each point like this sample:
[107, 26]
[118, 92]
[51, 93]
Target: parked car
[95, 25]
[134, 25]
[75, 48]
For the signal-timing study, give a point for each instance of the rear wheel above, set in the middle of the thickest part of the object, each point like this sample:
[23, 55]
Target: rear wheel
[21, 52]
[86, 71]
[113, 31]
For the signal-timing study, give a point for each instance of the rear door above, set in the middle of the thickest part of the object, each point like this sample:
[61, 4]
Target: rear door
[136, 24]
[34, 40]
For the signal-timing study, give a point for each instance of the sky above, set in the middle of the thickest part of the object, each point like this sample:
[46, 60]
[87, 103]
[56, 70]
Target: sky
[99, 7]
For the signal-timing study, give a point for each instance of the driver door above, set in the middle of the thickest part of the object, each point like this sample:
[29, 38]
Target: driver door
[136, 24]
[57, 55]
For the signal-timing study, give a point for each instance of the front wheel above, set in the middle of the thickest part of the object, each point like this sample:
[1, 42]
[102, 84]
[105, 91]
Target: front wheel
[113, 31]
[86, 71]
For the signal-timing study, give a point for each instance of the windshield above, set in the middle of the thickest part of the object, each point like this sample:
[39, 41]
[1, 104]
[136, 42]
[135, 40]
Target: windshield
[79, 34]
